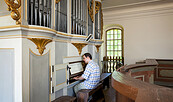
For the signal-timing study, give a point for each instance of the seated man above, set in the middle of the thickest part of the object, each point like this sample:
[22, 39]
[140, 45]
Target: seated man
[91, 74]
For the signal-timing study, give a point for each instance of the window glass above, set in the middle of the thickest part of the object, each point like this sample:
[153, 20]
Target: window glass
[119, 36]
[114, 42]
[119, 42]
[110, 36]
[115, 36]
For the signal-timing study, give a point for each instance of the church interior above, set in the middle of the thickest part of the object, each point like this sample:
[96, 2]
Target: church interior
[42, 43]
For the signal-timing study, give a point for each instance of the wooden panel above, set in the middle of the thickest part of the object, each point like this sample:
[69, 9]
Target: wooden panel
[122, 86]
[122, 98]
[140, 77]
[139, 91]
[60, 80]
[39, 78]
[7, 75]
[143, 75]
[59, 76]
[164, 74]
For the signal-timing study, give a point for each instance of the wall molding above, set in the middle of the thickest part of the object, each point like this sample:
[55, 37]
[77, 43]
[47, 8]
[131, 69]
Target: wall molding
[138, 12]
[24, 31]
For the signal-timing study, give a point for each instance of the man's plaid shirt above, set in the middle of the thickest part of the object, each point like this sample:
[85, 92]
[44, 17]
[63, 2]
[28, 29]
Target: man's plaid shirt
[91, 75]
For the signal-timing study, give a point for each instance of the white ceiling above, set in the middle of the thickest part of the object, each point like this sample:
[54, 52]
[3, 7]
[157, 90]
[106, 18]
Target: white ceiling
[118, 4]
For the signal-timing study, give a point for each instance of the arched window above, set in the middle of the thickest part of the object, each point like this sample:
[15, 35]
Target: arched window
[114, 42]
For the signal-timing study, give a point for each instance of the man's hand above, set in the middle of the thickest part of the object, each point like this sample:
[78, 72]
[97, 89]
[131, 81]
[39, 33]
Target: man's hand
[76, 78]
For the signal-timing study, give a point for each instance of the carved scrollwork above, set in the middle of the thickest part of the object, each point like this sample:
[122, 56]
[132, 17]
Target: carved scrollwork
[13, 6]
[40, 43]
[97, 6]
[79, 46]
[90, 8]
[57, 1]
[97, 46]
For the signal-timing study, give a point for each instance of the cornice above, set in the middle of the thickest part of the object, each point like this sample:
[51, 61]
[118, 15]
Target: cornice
[24, 31]
[138, 12]
[96, 40]
[148, 2]
[39, 28]
[70, 35]
[36, 28]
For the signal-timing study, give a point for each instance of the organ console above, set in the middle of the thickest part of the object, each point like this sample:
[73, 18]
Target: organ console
[75, 70]
[62, 75]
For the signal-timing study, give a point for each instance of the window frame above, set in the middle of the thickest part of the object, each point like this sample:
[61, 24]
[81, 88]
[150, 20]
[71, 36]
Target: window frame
[122, 38]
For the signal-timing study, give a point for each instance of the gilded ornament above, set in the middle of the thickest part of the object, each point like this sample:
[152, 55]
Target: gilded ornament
[13, 7]
[90, 8]
[97, 46]
[79, 46]
[57, 1]
[40, 43]
[97, 6]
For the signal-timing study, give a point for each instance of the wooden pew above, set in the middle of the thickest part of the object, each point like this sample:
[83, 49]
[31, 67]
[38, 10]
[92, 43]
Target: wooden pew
[96, 93]
[65, 99]
[129, 89]
[104, 78]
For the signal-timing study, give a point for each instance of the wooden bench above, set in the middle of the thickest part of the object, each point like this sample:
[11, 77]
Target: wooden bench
[104, 78]
[85, 94]
[65, 99]
[96, 93]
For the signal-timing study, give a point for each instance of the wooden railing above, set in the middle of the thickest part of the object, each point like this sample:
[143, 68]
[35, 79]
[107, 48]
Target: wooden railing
[110, 64]
[129, 89]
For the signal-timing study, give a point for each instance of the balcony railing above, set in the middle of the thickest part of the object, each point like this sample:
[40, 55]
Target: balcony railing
[111, 63]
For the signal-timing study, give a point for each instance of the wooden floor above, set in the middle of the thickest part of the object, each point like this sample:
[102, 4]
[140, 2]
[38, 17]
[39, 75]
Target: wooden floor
[109, 94]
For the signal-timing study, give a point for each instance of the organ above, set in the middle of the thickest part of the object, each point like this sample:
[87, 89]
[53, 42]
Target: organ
[62, 75]
[75, 69]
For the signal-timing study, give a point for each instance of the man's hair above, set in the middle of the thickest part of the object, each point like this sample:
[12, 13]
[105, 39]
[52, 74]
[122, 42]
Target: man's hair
[88, 55]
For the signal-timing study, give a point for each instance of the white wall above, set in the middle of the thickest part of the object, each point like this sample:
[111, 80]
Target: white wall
[3, 8]
[148, 33]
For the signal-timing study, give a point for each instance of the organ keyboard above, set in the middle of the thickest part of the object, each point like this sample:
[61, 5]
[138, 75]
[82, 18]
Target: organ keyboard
[61, 76]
